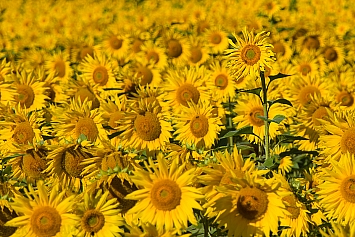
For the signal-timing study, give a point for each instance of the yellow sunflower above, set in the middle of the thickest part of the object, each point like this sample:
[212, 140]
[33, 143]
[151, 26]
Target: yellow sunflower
[333, 53]
[251, 208]
[336, 194]
[307, 64]
[166, 198]
[247, 110]
[58, 65]
[199, 52]
[217, 40]
[251, 54]
[154, 53]
[44, 213]
[146, 73]
[145, 126]
[285, 165]
[99, 216]
[29, 93]
[185, 85]
[221, 81]
[79, 119]
[115, 45]
[177, 47]
[197, 125]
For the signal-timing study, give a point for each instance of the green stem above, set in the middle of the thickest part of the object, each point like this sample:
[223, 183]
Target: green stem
[266, 115]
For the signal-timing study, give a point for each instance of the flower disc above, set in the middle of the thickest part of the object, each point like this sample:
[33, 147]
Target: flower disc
[114, 117]
[174, 48]
[221, 81]
[304, 96]
[71, 163]
[279, 48]
[252, 203]
[153, 56]
[254, 120]
[23, 133]
[345, 98]
[85, 93]
[330, 54]
[33, 166]
[199, 126]
[305, 69]
[311, 42]
[60, 68]
[250, 54]
[165, 195]
[92, 221]
[115, 43]
[147, 126]
[347, 143]
[45, 221]
[291, 206]
[87, 127]
[145, 74]
[196, 55]
[25, 96]
[215, 38]
[187, 92]
[347, 188]
[100, 75]
[319, 113]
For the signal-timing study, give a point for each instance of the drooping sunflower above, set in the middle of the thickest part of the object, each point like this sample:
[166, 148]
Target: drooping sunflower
[79, 119]
[44, 213]
[247, 110]
[197, 125]
[336, 193]
[99, 216]
[251, 54]
[145, 126]
[166, 198]
[251, 208]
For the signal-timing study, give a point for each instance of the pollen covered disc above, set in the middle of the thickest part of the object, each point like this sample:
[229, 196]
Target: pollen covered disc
[115, 43]
[71, 162]
[153, 56]
[145, 74]
[187, 92]
[319, 113]
[199, 126]
[45, 221]
[215, 38]
[87, 127]
[60, 68]
[250, 54]
[304, 96]
[174, 48]
[253, 116]
[23, 133]
[165, 195]
[347, 188]
[221, 81]
[252, 203]
[147, 126]
[347, 143]
[33, 165]
[196, 55]
[92, 221]
[100, 75]
[25, 95]
[345, 99]
[330, 54]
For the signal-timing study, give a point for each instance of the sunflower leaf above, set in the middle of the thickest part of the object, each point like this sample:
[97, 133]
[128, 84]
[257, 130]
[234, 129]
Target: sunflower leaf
[269, 162]
[291, 138]
[280, 101]
[255, 91]
[278, 76]
[277, 119]
[243, 130]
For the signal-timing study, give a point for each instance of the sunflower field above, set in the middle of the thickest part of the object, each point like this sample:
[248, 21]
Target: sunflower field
[155, 118]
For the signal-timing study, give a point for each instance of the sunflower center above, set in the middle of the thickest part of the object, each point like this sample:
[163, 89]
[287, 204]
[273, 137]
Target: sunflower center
[100, 75]
[60, 68]
[320, 113]
[174, 48]
[45, 221]
[253, 116]
[71, 162]
[305, 69]
[186, 93]
[347, 143]
[86, 51]
[87, 127]
[85, 93]
[153, 56]
[145, 74]
[137, 45]
[279, 48]
[196, 55]
[23, 133]
[92, 221]
[291, 206]
[147, 126]
[115, 43]
[165, 195]
[250, 54]
[199, 126]
[26, 95]
[311, 42]
[114, 118]
[330, 54]
[221, 81]
[305, 94]
[300, 32]
[33, 165]
[119, 189]
[252, 203]
[215, 38]
[347, 188]
[345, 98]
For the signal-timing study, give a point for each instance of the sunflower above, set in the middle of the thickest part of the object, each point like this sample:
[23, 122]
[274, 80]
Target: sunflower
[185, 85]
[281, 48]
[251, 55]
[145, 127]
[115, 45]
[58, 65]
[177, 47]
[81, 48]
[251, 208]
[146, 73]
[336, 192]
[5, 69]
[333, 53]
[166, 198]
[154, 53]
[199, 51]
[44, 213]
[285, 165]
[29, 92]
[247, 110]
[98, 70]
[338, 230]
[222, 81]
[99, 216]
[197, 126]
[217, 40]
[79, 119]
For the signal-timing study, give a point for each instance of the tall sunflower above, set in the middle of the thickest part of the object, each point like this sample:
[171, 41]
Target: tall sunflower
[251, 54]
[197, 125]
[44, 213]
[99, 216]
[166, 198]
[336, 193]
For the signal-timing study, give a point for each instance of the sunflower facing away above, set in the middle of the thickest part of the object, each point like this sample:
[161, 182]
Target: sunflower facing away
[166, 198]
[44, 213]
[251, 54]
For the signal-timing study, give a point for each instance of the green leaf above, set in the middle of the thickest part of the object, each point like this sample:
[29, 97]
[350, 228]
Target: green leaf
[255, 91]
[277, 119]
[292, 138]
[278, 76]
[243, 130]
[280, 101]
[269, 162]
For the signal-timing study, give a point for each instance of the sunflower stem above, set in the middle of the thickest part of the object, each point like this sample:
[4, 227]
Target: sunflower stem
[266, 122]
